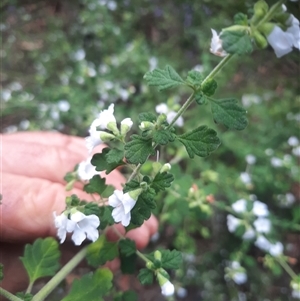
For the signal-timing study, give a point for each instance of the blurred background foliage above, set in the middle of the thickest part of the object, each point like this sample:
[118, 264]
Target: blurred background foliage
[64, 61]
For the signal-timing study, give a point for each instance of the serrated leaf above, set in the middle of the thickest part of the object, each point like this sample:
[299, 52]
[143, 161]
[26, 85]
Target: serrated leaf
[228, 112]
[145, 276]
[24, 296]
[200, 141]
[95, 185]
[105, 216]
[101, 163]
[240, 19]
[209, 87]
[171, 259]
[138, 149]
[127, 247]
[91, 287]
[131, 185]
[91, 208]
[163, 136]
[115, 156]
[200, 98]
[151, 117]
[194, 78]
[163, 79]
[236, 42]
[101, 251]
[41, 258]
[162, 181]
[128, 263]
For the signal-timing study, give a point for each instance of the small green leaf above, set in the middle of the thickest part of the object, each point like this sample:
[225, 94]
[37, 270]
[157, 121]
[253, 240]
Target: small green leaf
[128, 263]
[163, 136]
[24, 296]
[163, 79]
[138, 149]
[101, 161]
[115, 156]
[200, 98]
[91, 287]
[131, 185]
[41, 258]
[91, 208]
[194, 78]
[171, 259]
[95, 185]
[240, 19]
[209, 87]
[162, 181]
[236, 42]
[228, 112]
[130, 296]
[147, 117]
[101, 251]
[145, 276]
[200, 141]
[127, 247]
[105, 216]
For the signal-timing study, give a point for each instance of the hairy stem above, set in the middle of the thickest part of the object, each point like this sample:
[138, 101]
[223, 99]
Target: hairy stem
[9, 295]
[286, 267]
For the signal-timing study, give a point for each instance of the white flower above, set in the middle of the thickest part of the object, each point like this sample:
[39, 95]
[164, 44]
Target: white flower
[182, 292]
[276, 249]
[296, 151]
[293, 141]
[245, 178]
[293, 29]
[236, 272]
[79, 55]
[167, 289]
[276, 162]
[86, 170]
[262, 243]
[63, 105]
[239, 206]
[262, 225]
[295, 286]
[249, 234]
[85, 226]
[216, 45]
[250, 159]
[163, 109]
[126, 125]
[122, 203]
[105, 119]
[232, 223]
[239, 277]
[81, 225]
[260, 209]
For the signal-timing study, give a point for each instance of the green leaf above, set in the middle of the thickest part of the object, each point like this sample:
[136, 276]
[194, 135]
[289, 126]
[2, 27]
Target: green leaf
[169, 259]
[101, 251]
[91, 208]
[147, 117]
[163, 136]
[24, 296]
[162, 181]
[138, 149]
[131, 185]
[145, 276]
[163, 79]
[236, 42]
[240, 19]
[128, 263]
[115, 156]
[126, 296]
[95, 185]
[91, 287]
[41, 258]
[194, 78]
[127, 247]
[209, 87]
[200, 141]
[200, 98]
[228, 112]
[101, 161]
[105, 216]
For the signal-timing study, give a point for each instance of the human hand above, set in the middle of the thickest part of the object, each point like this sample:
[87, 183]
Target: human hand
[33, 167]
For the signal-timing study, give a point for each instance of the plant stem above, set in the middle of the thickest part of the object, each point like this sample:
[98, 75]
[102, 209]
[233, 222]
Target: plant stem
[29, 288]
[286, 267]
[53, 283]
[9, 295]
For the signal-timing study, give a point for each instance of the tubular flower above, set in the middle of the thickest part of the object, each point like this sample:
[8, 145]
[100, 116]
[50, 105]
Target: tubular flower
[216, 45]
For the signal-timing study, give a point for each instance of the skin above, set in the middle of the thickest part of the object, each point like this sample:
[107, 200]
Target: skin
[32, 188]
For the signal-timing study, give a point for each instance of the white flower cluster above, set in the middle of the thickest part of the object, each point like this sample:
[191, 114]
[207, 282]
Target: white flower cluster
[234, 271]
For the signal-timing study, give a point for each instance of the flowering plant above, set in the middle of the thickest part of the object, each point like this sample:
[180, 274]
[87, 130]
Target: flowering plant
[248, 218]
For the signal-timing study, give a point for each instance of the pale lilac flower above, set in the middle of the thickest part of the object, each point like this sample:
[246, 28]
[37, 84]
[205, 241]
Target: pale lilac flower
[294, 30]
[260, 209]
[293, 141]
[262, 225]
[249, 234]
[86, 170]
[250, 159]
[63, 225]
[262, 243]
[239, 206]
[216, 45]
[167, 289]
[85, 226]
[276, 162]
[232, 223]
[122, 203]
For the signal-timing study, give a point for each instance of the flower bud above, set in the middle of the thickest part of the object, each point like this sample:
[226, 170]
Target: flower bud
[134, 194]
[260, 40]
[144, 185]
[149, 265]
[260, 8]
[157, 255]
[112, 126]
[161, 119]
[106, 137]
[266, 28]
[126, 125]
[146, 125]
[165, 168]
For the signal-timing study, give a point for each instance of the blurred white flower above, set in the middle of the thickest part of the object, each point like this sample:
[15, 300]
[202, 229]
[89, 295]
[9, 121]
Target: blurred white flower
[126, 125]
[245, 178]
[239, 206]
[250, 159]
[63, 225]
[295, 286]
[163, 109]
[5, 94]
[152, 63]
[296, 151]
[79, 55]
[276, 162]
[111, 5]
[249, 99]
[260, 209]
[181, 292]
[86, 170]
[293, 141]
[216, 45]
[122, 203]
[249, 234]
[24, 124]
[63, 105]
[232, 222]
[167, 289]
[262, 225]
[269, 152]
[276, 249]
[236, 272]
[262, 243]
